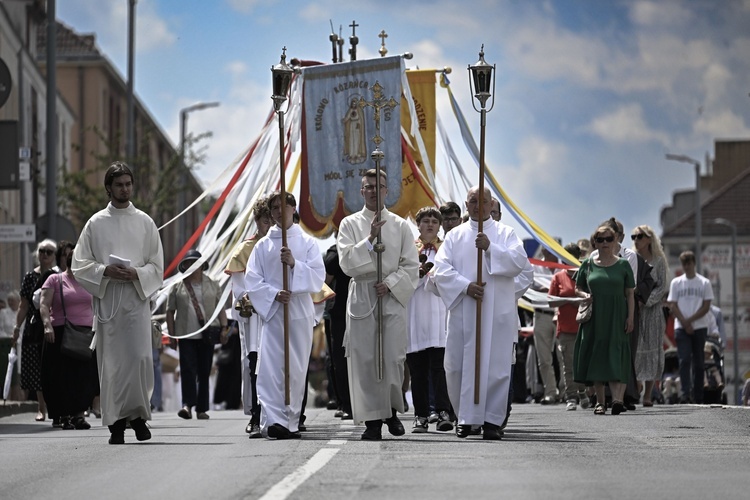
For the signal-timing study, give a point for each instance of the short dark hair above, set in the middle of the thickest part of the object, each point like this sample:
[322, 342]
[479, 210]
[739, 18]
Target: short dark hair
[429, 212]
[450, 207]
[115, 170]
[61, 246]
[686, 257]
[574, 250]
[290, 199]
[372, 173]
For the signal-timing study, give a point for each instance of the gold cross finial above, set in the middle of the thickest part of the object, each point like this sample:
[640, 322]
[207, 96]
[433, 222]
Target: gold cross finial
[382, 50]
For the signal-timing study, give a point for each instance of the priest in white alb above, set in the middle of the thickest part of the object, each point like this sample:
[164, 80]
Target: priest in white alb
[119, 260]
[455, 274]
[264, 284]
[373, 400]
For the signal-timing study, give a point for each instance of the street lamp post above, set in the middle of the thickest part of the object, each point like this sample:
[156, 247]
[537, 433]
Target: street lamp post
[182, 195]
[735, 352]
[282, 80]
[698, 218]
[482, 85]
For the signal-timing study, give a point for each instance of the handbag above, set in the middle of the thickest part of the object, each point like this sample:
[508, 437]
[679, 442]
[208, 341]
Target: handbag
[585, 310]
[76, 341]
[212, 334]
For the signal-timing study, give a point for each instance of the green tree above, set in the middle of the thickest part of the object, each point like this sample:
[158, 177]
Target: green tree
[157, 181]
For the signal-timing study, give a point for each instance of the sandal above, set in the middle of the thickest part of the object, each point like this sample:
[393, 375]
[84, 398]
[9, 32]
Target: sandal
[600, 409]
[647, 404]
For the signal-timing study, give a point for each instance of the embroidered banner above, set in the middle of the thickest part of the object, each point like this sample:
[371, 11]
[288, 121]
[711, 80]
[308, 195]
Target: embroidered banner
[417, 193]
[338, 134]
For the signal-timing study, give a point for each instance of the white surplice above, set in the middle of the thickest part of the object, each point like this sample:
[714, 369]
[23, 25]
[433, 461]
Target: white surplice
[374, 399]
[263, 280]
[455, 268]
[122, 316]
[426, 315]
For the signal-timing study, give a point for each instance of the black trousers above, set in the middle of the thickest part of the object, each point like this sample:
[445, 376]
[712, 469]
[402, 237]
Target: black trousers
[340, 369]
[424, 365]
[195, 367]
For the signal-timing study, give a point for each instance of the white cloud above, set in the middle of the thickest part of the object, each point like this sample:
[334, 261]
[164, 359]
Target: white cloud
[656, 13]
[248, 6]
[625, 125]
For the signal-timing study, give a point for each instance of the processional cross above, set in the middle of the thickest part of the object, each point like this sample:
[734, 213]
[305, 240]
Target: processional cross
[378, 103]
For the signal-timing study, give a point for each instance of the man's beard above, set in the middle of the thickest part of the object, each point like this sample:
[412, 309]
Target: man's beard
[123, 199]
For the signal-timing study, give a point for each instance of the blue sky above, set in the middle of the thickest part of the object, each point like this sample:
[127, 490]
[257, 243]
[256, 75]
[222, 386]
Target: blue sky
[590, 94]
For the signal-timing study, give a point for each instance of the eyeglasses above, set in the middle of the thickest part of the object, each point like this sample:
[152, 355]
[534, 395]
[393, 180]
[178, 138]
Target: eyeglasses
[371, 187]
[608, 239]
[451, 219]
[46, 251]
[638, 236]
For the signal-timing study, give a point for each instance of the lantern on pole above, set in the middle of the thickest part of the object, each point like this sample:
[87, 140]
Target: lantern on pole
[481, 84]
[282, 79]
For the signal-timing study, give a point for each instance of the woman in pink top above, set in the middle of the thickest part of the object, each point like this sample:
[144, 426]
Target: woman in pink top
[69, 384]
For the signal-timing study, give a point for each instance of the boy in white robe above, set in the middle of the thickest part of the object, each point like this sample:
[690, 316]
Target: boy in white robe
[249, 325]
[373, 400]
[455, 272]
[264, 284]
[122, 316]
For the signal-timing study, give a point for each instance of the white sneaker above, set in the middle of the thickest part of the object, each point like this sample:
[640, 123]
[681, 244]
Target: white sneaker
[571, 406]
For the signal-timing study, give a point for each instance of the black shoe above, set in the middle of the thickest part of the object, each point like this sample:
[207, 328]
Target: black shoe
[254, 431]
[629, 405]
[295, 435]
[141, 429]
[491, 432]
[346, 416]
[373, 431]
[463, 430]
[117, 432]
[117, 438]
[56, 422]
[395, 427]
[80, 424]
[332, 404]
[67, 423]
[249, 427]
[617, 408]
[444, 422]
[185, 413]
[278, 431]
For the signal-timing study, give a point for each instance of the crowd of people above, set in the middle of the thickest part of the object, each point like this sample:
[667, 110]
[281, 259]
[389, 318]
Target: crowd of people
[437, 316]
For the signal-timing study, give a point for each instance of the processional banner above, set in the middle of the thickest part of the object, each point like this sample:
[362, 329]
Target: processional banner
[417, 191]
[338, 128]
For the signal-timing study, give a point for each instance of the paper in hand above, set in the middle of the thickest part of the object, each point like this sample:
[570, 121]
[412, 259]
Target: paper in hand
[114, 259]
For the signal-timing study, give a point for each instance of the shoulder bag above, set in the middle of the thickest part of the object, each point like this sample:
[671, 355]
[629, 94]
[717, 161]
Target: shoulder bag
[585, 310]
[76, 341]
[212, 334]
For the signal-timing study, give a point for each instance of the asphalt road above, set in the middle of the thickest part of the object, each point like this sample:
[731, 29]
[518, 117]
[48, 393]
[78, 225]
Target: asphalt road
[684, 452]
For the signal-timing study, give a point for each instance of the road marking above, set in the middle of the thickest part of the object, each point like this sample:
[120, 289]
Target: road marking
[336, 442]
[286, 486]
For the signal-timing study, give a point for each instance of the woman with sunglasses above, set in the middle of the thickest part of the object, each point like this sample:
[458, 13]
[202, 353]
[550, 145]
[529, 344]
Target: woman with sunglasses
[649, 358]
[602, 348]
[33, 333]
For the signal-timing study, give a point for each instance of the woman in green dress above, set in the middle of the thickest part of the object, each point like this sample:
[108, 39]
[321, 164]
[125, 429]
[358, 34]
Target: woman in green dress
[602, 348]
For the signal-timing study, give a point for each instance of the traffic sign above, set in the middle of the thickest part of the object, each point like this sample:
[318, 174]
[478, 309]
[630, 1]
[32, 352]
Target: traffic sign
[17, 233]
